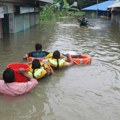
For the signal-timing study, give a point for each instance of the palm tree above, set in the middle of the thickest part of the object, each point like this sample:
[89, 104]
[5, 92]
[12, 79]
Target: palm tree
[63, 4]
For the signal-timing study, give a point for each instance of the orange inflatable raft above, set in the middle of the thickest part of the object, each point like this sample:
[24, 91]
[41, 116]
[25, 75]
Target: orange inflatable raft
[77, 59]
[30, 59]
[82, 59]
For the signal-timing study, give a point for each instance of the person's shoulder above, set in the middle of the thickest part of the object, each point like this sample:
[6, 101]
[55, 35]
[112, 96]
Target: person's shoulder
[1, 81]
[31, 82]
[33, 79]
[46, 52]
[31, 52]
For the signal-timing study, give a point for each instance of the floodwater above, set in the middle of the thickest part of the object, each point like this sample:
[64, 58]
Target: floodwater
[85, 92]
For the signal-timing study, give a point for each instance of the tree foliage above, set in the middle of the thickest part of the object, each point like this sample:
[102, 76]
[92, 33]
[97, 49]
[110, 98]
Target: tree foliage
[62, 7]
[81, 3]
[85, 3]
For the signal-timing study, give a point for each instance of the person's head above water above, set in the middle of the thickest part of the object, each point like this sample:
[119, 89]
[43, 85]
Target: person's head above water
[56, 54]
[35, 64]
[8, 75]
[38, 46]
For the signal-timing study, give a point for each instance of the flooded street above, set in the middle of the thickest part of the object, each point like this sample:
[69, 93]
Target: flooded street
[85, 92]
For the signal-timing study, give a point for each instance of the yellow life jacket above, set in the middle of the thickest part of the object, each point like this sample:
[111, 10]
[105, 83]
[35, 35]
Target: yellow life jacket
[38, 73]
[46, 66]
[54, 63]
[50, 55]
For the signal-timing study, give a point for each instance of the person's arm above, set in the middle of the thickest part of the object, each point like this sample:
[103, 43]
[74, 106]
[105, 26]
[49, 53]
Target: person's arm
[24, 87]
[45, 61]
[79, 20]
[22, 71]
[25, 56]
[51, 69]
[30, 54]
[70, 60]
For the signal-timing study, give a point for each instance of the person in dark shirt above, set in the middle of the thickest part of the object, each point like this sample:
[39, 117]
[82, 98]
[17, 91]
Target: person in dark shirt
[83, 21]
[38, 53]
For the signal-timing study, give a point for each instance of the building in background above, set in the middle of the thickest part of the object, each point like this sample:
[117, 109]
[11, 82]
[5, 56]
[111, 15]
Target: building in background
[17, 15]
[115, 11]
[1, 16]
[99, 9]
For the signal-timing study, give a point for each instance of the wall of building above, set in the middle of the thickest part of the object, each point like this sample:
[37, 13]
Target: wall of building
[25, 21]
[17, 18]
[91, 14]
[1, 16]
[11, 23]
[1, 33]
[19, 23]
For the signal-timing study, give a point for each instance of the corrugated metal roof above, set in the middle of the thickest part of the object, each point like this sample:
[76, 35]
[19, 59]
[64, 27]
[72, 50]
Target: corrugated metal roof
[100, 6]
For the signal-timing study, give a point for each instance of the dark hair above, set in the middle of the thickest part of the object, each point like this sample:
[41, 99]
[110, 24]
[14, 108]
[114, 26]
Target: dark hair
[8, 75]
[35, 65]
[56, 55]
[38, 46]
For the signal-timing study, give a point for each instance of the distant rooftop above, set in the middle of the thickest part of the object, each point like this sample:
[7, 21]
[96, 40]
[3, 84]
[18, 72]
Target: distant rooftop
[100, 6]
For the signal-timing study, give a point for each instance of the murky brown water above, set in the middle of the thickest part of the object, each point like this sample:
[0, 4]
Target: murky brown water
[90, 92]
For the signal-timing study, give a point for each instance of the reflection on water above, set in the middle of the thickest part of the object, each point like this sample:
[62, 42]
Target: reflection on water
[77, 93]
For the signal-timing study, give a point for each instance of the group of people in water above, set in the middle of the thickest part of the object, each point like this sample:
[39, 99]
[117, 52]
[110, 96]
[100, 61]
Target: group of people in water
[43, 64]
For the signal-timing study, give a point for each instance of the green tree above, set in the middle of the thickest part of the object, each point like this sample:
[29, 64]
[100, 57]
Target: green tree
[86, 3]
